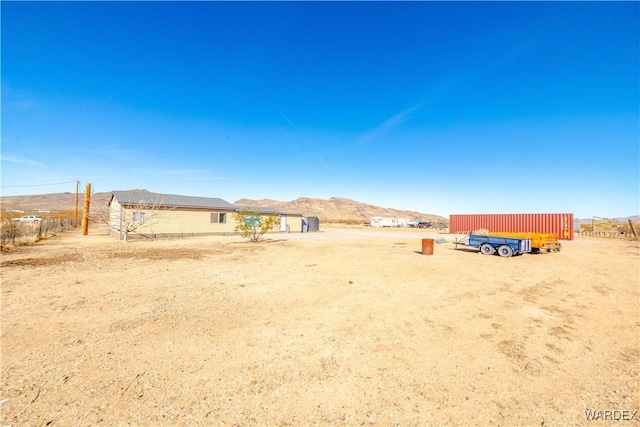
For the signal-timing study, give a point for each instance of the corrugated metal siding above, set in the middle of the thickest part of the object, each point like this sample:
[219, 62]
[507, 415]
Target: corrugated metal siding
[560, 224]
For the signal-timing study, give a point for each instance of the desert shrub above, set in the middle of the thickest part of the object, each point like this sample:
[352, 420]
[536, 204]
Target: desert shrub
[253, 226]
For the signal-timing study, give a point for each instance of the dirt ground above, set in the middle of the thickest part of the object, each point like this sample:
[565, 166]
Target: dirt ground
[340, 327]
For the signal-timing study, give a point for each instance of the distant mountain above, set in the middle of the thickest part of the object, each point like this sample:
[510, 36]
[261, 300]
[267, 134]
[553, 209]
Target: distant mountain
[333, 209]
[633, 218]
[337, 209]
[54, 202]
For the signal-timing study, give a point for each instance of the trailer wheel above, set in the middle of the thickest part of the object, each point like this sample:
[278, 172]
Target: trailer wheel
[505, 251]
[487, 249]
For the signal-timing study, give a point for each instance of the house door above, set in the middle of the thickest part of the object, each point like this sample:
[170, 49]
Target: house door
[283, 223]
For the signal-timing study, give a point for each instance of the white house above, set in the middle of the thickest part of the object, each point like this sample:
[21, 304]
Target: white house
[141, 213]
[380, 221]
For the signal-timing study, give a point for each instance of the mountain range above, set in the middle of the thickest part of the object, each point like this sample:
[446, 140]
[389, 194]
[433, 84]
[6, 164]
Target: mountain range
[336, 209]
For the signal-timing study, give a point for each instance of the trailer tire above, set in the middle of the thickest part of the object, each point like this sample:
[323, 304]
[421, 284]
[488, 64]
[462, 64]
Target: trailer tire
[487, 249]
[505, 251]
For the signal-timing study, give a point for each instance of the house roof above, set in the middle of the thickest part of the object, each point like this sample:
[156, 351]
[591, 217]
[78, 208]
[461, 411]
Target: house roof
[265, 211]
[144, 197]
[258, 209]
[135, 197]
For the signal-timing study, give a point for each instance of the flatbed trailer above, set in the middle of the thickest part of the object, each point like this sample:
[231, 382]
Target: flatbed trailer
[540, 242]
[489, 244]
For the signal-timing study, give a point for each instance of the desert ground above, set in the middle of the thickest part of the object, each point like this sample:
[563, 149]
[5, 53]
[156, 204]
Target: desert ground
[340, 327]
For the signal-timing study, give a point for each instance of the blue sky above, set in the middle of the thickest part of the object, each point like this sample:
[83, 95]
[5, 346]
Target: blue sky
[438, 107]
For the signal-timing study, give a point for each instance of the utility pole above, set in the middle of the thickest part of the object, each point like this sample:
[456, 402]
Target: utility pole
[75, 224]
[633, 230]
[85, 216]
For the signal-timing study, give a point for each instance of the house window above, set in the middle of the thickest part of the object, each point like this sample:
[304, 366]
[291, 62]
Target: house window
[139, 217]
[251, 220]
[218, 217]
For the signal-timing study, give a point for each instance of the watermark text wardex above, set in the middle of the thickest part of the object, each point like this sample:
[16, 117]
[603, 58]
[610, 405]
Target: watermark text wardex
[611, 415]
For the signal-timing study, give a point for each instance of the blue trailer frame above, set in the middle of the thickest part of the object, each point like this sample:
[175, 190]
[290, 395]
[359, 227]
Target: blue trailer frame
[489, 245]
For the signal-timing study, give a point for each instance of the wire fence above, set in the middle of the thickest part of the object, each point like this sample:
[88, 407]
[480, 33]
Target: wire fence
[607, 234]
[603, 234]
[16, 233]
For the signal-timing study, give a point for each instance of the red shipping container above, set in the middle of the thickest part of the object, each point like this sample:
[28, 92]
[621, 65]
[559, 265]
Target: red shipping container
[560, 224]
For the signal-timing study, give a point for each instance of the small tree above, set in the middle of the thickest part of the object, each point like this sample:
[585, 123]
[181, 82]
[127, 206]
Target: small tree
[251, 225]
[143, 214]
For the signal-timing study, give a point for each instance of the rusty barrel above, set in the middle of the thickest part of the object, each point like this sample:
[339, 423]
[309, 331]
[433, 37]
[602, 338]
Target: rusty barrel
[427, 246]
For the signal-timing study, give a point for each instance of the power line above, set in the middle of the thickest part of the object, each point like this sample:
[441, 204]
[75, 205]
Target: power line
[37, 185]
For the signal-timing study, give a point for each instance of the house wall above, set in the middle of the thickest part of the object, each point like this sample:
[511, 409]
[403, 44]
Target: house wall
[114, 223]
[294, 222]
[182, 221]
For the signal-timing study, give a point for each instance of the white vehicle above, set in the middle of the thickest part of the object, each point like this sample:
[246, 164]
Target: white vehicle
[29, 218]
